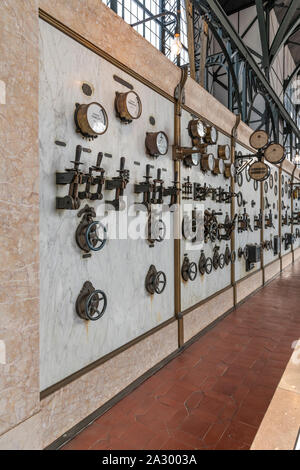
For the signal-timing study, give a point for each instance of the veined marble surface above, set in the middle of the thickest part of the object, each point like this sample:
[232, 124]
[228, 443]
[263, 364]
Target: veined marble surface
[205, 285]
[68, 343]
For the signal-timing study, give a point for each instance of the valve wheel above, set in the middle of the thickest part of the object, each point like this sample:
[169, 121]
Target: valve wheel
[92, 238]
[192, 271]
[160, 282]
[160, 230]
[208, 265]
[221, 261]
[213, 231]
[227, 255]
[95, 305]
[202, 263]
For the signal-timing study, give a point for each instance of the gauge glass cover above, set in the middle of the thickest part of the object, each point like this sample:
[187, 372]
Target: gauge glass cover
[96, 118]
[133, 104]
[201, 129]
[162, 143]
[211, 162]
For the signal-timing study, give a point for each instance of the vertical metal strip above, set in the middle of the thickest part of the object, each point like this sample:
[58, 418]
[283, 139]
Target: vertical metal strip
[232, 208]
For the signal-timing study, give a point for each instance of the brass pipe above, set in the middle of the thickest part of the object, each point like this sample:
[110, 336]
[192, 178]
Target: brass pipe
[280, 212]
[232, 208]
[177, 216]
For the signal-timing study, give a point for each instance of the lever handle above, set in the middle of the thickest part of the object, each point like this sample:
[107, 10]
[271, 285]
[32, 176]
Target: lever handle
[159, 173]
[148, 171]
[122, 163]
[78, 154]
[99, 159]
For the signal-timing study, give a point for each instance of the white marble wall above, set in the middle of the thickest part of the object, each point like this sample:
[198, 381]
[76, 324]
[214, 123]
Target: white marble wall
[205, 285]
[68, 343]
[273, 200]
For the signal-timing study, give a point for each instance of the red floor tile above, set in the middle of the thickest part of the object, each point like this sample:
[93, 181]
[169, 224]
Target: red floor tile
[216, 392]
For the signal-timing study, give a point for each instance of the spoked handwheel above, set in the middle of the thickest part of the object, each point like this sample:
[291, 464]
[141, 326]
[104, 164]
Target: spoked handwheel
[208, 265]
[160, 282]
[192, 271]
[96, 305]
[221, 261]
[202, 263]
[94, 241]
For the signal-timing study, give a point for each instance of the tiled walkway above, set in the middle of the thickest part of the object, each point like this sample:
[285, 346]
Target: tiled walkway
[214, 395]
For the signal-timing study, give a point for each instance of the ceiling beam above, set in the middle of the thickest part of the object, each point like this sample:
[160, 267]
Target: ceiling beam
[216, 9]
[285, 29]
[263, 34]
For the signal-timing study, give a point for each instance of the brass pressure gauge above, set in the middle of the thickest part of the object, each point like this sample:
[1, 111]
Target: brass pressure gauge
[208, 162]
[128, 106]
[219, 167]
[258, 139]
[230, 170]
[157, 143]
[211, 135]
[274, 153]
[197, 129]
[259, 171]
[91, 119]
[224, 152]
[192, 160]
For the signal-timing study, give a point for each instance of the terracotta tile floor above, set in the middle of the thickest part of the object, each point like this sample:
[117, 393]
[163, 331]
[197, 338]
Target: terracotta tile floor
[215, 394]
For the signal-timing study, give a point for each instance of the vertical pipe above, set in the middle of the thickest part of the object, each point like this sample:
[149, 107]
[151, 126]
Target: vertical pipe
[280, 213]
[232, 208]
[177, 215]
[262, 230]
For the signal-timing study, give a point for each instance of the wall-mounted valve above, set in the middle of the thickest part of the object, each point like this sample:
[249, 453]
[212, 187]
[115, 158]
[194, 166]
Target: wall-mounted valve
[285, 219]
[218, 259]
[157, 189]
[91, 303]
[188, 269]
[90, 235]
[145, 188]
[258, 221]
[211, 226]
[155, 281]
[173, 191]
[269, 220]
[244, 222]
[288, 240]
[228, 226]
[118, 183]
[205, 265]
[156, 230]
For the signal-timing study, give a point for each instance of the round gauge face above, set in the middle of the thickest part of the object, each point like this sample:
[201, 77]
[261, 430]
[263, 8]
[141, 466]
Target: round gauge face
[221, 166]
[258, 139]
[211, 162]
[259, 171]
[201, 129]
[276, 176]
[271, 181]
[162, 143]
[213, 134]
[195, 158]
[227, 151]
[240, 179]
[266, 187]
[275, 190]
[133, 105]
[286, 187]
[274, 153]
[97, 118]
[232, 170]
